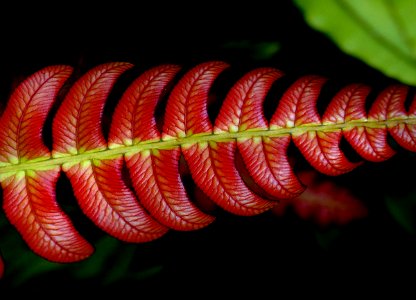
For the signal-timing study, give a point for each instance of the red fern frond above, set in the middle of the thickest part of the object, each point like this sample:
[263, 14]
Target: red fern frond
[157, 198]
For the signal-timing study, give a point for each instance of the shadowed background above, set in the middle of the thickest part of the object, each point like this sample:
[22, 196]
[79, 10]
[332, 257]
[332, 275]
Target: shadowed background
[240, 254]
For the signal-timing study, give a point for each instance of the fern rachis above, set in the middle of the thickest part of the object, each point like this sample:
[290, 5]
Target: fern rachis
[29, 171]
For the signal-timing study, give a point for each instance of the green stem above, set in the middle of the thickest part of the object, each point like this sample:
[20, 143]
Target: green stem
[194, 139]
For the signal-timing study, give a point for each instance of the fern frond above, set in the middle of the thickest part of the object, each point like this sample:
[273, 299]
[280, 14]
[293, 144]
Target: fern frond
[158, 200]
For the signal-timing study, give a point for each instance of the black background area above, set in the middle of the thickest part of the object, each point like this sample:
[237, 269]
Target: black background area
[257, 254]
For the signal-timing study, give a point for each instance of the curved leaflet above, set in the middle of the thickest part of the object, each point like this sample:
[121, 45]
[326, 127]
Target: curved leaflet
[29, 194]
[154, 172]
[98, 184]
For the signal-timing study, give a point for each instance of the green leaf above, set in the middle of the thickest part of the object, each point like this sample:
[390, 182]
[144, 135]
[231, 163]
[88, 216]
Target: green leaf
[382, 33]
[94, 265]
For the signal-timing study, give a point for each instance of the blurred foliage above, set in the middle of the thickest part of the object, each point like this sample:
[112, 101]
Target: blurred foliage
[257, 50]
[380, 32]
[111, 263]
[403, 210]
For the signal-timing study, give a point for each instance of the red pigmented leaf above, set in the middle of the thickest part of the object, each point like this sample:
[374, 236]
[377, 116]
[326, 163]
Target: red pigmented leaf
[22, 122]
[404, 134]
[134, 120]
[29, 195]
[98, 184]
[142, 208]
[30, 205]
[154, 173]
[158, 184]
[211, 164]
[268, 164]
[105, 198]
[265, 158]
[76, 127]
[349, 106]
[297, 108]
[186, 111]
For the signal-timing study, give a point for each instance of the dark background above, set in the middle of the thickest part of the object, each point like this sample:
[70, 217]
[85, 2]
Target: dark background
[262, 254]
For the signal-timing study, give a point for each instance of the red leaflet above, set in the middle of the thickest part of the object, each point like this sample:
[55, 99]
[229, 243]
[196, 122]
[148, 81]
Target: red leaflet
[22, 122]
[324, 202]
[298, 108]
[154, 173]
[211, 164]
[348, 105]
[186, 111]
[404, 134]
[134, 119]
[265, 158]
[29, 195]
[243, 108]
[268, 164]
[157, 182]
[242, 111]
[298, 105]
[98, 184]
[77, 125]
[105, 198]
[370, 143]
[30, 205]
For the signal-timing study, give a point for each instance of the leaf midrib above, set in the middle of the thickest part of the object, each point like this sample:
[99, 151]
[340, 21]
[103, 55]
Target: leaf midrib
[194, 139]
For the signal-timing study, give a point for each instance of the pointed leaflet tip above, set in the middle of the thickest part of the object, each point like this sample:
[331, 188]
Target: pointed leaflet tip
[298, 104]
[243, 107]
[77, 124]
[30, 205]
[22, 122]
[347, 105]
[186, 111]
